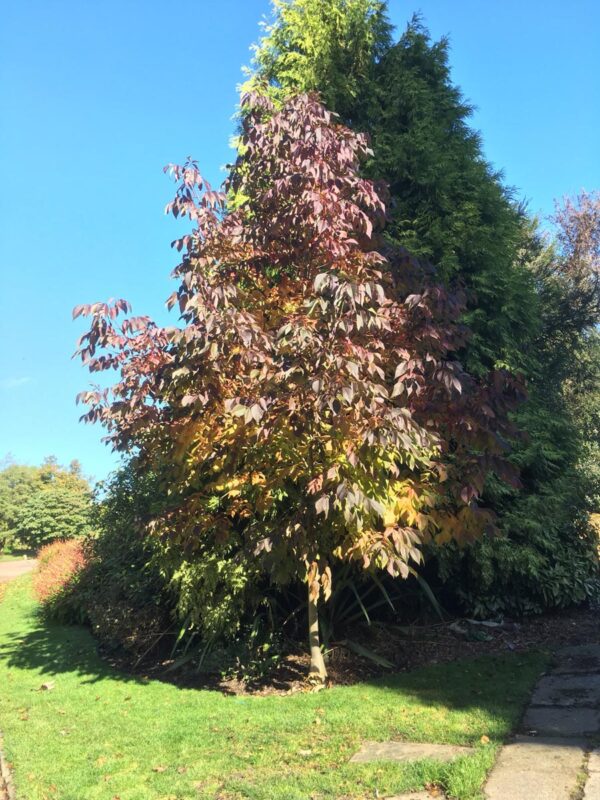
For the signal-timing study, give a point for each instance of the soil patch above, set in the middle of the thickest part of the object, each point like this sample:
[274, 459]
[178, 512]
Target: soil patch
[406, 647]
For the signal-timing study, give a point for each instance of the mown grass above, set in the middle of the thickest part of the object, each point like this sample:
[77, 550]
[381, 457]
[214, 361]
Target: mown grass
[101, 735]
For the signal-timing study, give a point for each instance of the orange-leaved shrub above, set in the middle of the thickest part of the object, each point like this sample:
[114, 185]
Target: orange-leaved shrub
[59, 564]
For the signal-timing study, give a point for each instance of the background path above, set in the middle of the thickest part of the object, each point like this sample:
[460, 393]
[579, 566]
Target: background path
[14, 569]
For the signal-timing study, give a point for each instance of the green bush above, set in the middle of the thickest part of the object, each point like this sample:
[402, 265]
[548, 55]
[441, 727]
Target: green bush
[143, 595]
[120, 593]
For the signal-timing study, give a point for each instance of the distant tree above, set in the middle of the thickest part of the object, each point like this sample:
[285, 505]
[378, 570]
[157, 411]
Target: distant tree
[40, 504]
[18, 484]
[570, 277]
[311, 407]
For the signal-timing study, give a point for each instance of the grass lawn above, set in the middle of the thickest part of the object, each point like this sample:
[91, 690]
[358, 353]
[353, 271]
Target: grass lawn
[100, 735]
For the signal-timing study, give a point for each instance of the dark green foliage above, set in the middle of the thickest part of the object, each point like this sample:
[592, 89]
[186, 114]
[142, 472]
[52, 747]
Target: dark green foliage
[582, 392]
[548, 555]
[448, 206]
[119, 592]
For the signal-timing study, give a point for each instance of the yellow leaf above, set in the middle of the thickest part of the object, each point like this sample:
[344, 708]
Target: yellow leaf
[390, 517]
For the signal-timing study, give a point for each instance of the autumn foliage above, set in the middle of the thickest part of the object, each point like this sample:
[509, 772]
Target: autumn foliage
[310, 406]
[58, 563]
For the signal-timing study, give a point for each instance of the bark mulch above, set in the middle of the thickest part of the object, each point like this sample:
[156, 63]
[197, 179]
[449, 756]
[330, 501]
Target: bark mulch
[406, 647]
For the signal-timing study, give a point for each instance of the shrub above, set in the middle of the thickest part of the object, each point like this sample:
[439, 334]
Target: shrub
[120, 593]
[59, 565]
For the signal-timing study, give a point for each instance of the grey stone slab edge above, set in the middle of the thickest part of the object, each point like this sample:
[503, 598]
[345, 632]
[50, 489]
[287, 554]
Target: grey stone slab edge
[407, 751]
[6, 783]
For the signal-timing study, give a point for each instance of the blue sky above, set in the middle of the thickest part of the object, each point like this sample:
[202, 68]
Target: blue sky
[96, 97]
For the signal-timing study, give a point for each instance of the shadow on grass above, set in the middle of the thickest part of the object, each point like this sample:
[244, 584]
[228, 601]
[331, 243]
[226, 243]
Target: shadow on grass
[497, 685]
[52, 649]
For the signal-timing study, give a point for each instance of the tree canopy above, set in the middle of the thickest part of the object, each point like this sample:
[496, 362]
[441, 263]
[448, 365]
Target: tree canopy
[40, 504]
[311, 406]
[361, 308]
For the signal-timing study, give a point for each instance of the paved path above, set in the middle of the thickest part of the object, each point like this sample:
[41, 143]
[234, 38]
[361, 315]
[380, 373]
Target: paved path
[14, 569]
[553, 759]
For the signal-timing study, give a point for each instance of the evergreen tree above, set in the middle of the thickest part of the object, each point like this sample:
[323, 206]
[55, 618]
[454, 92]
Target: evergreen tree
[329, 46]
[448, 206]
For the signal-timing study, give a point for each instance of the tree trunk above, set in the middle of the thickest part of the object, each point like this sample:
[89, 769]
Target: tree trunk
[318, 671]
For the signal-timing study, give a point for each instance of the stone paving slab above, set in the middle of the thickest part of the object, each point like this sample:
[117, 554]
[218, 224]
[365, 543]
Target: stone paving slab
[416, 796]
[7, 787]
[529, 767]
[592, 787]
[584, 659]
[567, 690]
[594, 762]
[556, 721]
[407, 751]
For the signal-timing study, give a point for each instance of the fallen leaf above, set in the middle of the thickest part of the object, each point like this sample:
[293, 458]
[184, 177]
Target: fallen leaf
[159, 769]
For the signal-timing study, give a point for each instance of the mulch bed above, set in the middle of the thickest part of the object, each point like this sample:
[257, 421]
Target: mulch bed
[406, 647]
